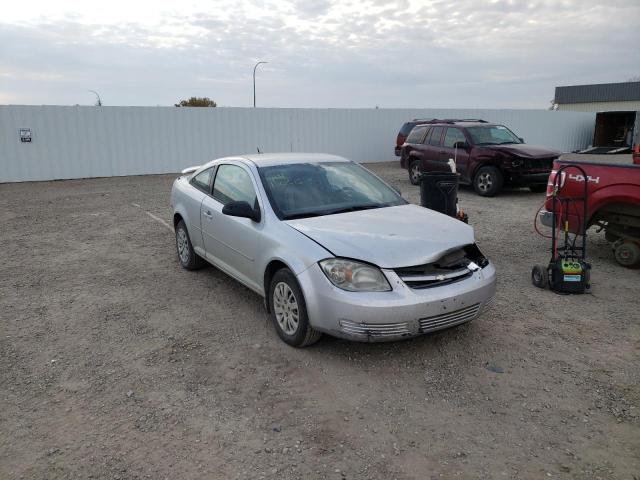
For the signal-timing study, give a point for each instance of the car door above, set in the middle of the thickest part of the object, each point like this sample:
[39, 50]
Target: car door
[202, 187]
[231, 243]
[432, 151]
[452, 144]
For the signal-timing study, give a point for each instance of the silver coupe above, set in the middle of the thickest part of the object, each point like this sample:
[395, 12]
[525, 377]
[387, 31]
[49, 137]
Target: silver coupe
[330, 246]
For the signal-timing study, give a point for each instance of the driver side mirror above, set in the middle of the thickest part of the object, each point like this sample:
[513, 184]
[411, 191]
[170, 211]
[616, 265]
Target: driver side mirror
[461, 145]
[521, 139]
[242, 209]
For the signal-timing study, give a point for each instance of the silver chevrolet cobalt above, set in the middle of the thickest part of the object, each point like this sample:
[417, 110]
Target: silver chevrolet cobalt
[330, 246]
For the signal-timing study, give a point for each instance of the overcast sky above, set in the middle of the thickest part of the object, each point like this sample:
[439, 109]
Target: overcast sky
[321, 53]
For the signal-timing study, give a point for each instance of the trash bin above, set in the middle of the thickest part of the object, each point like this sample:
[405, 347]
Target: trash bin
[439, 192]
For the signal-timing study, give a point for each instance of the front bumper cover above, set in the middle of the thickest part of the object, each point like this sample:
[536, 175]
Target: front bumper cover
[403, 312]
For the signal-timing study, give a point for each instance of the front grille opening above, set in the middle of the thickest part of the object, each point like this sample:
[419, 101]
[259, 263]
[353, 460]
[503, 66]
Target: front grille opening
[452, 267]
[375, 329]
[446, 320]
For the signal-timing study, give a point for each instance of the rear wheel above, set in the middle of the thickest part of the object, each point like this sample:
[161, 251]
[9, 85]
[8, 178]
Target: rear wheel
[487, 181]
[289, 310]
[540, 276]
[627, 254]
[187, 256]
[415, 172]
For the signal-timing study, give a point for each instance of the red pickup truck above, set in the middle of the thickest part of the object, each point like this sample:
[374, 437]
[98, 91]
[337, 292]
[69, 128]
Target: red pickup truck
[613, 203]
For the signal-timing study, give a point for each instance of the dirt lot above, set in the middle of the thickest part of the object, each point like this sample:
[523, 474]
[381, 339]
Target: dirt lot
[116, 363]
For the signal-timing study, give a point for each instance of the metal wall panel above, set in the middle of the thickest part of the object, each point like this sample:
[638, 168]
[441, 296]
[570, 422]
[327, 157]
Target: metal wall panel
[81, 142]
[601, 92]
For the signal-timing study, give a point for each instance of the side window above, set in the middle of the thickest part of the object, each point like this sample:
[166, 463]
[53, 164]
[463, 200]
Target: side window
[427, 136]
[233, 184]
[453, 136]
[436, 133]
[202, 181]
[416, 135]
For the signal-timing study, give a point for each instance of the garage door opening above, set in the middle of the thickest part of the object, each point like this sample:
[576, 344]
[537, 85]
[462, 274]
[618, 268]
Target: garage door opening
[614, 132]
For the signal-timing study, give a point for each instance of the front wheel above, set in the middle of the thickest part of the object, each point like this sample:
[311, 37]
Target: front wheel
[487, 181]
[415, 172]
[187, 256]
[289, 310]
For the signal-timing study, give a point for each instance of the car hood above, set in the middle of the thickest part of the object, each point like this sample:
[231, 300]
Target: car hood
[525, 151]
[390, 237]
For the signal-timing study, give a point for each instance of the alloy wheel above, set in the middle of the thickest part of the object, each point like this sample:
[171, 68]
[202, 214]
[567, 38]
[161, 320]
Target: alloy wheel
[415, 173]
[485, 181]
[183, 245]
[285, 307]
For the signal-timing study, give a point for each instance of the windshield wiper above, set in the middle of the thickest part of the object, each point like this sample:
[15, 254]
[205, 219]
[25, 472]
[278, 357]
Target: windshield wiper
[293, 216]
[354, 208]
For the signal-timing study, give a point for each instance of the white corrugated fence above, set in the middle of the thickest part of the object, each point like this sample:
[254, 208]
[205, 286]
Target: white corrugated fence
[81, 142]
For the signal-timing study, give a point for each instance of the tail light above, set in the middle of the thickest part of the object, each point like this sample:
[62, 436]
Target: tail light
[552, 180]
[400, 139]
[636, 154]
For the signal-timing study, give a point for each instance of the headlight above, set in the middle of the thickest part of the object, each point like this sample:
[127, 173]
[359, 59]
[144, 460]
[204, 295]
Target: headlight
[354, 276]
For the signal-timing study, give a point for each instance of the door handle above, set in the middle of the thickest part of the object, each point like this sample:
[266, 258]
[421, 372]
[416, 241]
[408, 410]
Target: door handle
[442, 151]
[207, 214]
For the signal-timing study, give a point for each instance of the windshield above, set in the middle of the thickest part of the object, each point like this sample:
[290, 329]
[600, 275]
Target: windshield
[313, 189]
[492, 135]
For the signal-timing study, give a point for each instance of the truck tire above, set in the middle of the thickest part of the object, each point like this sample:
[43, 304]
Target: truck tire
[414, 172]
[487, 181]
[627, 253]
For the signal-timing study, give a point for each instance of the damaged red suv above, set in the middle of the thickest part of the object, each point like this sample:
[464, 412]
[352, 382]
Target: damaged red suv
[487, 156]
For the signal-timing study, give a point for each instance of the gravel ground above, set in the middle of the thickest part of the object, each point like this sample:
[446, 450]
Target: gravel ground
[116, 363]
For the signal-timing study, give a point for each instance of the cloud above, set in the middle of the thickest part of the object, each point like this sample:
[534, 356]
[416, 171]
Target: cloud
[321, 53]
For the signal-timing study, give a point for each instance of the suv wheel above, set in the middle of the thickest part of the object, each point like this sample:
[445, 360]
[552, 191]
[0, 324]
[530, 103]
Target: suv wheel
[289, 310]
[488, 181]
[414, 172]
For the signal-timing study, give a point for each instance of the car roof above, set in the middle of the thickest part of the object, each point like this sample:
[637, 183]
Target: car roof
[284, 158]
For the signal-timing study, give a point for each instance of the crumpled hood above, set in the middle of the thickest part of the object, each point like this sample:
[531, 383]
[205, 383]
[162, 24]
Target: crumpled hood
[391, 237]
[525, 151]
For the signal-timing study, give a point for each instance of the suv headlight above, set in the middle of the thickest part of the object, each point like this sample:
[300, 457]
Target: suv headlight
[354, 276]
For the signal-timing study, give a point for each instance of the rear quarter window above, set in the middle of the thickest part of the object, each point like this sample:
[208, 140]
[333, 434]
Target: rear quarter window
[416, 135]
[406, 128]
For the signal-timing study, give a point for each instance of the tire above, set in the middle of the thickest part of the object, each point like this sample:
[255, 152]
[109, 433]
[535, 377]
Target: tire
[540, 276]
[627, 254]
[187, 256]
[538, 188]
[487, 181]
[289, 310]
[414, 172]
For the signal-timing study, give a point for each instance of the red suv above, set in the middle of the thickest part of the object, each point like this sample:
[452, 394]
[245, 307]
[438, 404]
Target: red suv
[487, 156]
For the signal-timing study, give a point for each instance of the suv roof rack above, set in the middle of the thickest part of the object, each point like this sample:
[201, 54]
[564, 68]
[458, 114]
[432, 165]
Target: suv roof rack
[451, 120]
